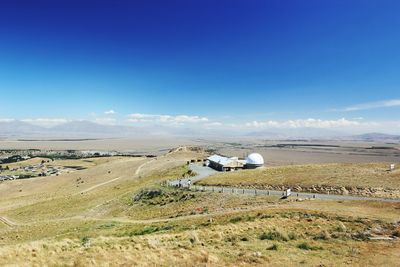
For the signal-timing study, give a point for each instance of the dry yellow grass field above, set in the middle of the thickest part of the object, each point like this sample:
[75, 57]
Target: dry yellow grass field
[121, 215]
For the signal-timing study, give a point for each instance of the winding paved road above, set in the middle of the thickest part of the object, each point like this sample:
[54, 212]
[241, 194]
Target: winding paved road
[203, 172]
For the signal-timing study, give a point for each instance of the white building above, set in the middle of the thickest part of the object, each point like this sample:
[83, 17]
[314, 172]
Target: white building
[222, 163]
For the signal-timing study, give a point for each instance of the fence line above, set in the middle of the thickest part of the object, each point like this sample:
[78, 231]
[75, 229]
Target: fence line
[261, 192]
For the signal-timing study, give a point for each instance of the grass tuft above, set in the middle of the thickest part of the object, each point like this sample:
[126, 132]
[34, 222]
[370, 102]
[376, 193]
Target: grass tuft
[273, 247]
[235, 220]
[306, 246]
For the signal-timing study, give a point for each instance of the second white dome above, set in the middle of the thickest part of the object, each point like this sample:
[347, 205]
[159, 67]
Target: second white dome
[255, 159]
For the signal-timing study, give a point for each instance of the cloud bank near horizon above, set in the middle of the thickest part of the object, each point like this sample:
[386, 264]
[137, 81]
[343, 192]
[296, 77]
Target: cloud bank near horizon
[356, 125]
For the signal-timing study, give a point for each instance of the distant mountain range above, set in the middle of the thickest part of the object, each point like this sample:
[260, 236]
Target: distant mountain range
[75, 129]
[377, 137]
[87, 129]
[19, 128]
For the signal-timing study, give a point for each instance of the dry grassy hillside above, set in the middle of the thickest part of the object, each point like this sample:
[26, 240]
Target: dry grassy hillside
[116, 213]
[372, 179]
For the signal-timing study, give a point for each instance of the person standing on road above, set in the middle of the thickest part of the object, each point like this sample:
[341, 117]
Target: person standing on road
[189, 183]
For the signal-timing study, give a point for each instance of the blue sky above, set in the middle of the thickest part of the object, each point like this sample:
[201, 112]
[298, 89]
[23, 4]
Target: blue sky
[243, 63]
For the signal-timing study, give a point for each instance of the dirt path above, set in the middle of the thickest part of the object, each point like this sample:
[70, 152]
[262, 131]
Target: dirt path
[139, 169]
[7, 222]
[98, 185]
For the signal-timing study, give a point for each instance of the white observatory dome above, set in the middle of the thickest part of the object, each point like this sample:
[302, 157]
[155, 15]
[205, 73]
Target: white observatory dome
[255, 159]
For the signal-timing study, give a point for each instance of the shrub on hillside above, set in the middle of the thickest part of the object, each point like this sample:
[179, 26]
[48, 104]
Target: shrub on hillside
[157, 196]
[278, 235]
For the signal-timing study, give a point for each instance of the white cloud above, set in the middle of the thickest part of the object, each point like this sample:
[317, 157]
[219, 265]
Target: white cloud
[179, 119]
[215, 123]
[46, 122]
[105, 121]
[110, 112]
[354, 125]
[6, 120]
[372, 105]
[307, 123]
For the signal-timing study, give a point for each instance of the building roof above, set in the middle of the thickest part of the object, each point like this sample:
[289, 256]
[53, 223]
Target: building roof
[252, 159]
[221, 160]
